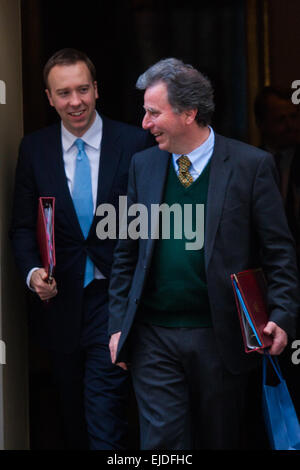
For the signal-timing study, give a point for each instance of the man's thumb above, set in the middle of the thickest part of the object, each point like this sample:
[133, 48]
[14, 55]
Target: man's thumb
[268, 330]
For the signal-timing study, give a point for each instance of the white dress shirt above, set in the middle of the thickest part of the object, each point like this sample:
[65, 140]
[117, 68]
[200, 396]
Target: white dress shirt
[92, 139]
[199, 157]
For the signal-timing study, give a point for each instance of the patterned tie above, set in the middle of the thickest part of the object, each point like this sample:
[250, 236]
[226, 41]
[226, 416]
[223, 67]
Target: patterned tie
[83, 201]
[184, 175]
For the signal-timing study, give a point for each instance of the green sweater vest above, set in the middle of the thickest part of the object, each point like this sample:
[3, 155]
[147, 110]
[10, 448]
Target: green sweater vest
[175, 294]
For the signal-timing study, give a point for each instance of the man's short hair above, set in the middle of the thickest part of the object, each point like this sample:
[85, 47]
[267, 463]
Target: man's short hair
[68, 56]
[187, 87]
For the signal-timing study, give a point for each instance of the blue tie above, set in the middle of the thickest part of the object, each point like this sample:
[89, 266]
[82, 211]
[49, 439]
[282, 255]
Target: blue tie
[83, 201]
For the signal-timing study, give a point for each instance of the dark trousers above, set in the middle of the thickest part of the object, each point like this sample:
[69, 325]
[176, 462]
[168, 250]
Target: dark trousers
[93, 392]
[186, 398]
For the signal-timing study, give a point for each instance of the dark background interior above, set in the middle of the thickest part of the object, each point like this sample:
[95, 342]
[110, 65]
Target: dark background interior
[124, 37]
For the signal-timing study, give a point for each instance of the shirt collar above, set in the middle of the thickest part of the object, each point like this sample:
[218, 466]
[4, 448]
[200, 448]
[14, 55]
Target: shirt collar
[91, 137]
[203, 151]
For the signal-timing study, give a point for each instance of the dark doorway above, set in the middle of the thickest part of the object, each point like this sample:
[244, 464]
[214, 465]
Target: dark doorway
[124, 37]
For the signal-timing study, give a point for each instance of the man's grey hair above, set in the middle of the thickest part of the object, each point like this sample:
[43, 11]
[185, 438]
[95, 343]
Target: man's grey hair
[187, 87]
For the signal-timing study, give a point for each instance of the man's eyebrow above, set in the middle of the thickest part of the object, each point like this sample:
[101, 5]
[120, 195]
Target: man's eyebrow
[83, 85]
[61, 89]
[148, 108]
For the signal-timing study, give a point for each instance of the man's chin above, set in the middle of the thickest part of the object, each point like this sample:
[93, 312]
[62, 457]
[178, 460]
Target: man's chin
[78, 128]
[162, 146]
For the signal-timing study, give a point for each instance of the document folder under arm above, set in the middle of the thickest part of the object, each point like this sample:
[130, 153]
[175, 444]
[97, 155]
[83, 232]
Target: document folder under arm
[250, 290]
[45, 234]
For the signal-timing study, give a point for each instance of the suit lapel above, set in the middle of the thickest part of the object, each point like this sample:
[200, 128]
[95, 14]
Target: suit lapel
[158, 171]
[110, 154]
[57, 171]
[109, 159]
[218, 181]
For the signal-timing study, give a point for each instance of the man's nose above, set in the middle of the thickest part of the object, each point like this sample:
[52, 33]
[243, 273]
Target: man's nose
[146, 124]
[75, 99]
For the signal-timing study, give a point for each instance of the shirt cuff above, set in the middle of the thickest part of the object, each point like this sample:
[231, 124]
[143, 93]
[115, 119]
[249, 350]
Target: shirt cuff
[28, 278]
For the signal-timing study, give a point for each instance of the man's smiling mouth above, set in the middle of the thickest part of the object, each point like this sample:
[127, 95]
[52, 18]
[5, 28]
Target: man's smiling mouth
[77, 113]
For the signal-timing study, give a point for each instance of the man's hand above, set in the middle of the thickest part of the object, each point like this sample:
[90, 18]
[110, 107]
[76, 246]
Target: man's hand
[113, 346]
[39, 283]
[279, 336]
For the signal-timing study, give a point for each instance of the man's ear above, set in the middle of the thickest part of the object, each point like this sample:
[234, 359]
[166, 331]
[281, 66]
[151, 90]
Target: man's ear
[49, 97]
[190, 115]
[96, 90]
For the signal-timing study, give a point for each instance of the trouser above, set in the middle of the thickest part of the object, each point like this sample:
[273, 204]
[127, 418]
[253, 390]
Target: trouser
[93, 391]
[186, 397]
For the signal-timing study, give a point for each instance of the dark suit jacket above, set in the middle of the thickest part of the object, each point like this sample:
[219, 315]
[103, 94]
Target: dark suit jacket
[245, 227]
[293, 194]
[40, 172]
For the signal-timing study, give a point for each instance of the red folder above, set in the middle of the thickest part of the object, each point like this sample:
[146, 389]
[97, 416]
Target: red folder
[45, 234]
[250, 290]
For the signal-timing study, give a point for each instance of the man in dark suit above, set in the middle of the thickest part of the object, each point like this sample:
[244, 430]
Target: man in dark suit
[70, 314]
[278, 121]
[172, 313]
[277, 118]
